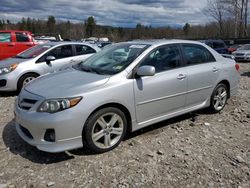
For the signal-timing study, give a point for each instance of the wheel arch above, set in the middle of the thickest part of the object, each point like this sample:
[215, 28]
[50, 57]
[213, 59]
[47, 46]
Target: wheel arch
[24, 74]
[120, 107]
[226, 82]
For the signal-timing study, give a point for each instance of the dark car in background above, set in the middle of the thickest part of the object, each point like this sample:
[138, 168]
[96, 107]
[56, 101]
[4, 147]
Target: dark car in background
[218, 45]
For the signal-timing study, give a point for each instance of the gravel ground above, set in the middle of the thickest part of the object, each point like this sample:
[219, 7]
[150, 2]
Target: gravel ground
[194, 150]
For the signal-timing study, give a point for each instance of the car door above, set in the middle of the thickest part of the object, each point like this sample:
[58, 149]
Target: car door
[63, 57]
[163, 93]
[82, 52]
[202, 73]
[23, 42]
[7, 45]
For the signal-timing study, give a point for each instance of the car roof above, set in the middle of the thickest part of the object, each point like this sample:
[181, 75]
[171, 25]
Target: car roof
[158, 42]
[213, 40]
[69, 43]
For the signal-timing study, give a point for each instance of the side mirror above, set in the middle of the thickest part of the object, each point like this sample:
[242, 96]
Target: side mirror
[146, 71]
[49, 59]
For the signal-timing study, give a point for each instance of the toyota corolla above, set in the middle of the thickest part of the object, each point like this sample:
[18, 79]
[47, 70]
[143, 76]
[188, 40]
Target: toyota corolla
[123, 88]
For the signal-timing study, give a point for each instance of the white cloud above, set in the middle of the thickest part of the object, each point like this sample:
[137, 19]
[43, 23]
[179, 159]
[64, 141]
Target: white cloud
[124, 13]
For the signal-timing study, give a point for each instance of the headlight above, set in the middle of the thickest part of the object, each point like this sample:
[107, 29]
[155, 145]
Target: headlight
[56, 105]
[6, 70]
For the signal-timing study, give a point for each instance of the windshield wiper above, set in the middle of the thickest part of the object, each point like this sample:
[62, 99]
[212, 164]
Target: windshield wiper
[89, 69]
[21, 57]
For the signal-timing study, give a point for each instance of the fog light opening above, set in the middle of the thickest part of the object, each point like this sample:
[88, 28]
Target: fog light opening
[50, 135]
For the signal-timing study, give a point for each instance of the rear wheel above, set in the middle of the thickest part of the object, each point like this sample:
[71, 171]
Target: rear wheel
[25, 79]
[104, 130]
[219, 98]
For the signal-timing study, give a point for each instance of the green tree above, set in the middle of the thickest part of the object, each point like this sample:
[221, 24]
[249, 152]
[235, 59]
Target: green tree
[29, 24]
[1, 25]
[51, 24]
[186, 29]
[90, 26]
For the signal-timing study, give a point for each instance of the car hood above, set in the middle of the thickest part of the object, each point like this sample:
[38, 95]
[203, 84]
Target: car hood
[10, 61]
[242, 51]
[66, 83]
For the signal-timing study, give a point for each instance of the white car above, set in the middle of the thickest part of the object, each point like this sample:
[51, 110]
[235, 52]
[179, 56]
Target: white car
[42, 59]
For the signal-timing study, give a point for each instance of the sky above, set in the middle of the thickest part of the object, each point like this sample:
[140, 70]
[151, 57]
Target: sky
[117, 13]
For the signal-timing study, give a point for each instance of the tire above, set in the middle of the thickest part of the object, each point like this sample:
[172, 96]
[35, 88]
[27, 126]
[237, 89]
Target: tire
[25, 79]
[219, 98]
[101, 133]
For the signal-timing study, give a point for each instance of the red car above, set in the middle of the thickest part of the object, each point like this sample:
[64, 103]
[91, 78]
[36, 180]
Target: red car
[233, 48]
[13, 42]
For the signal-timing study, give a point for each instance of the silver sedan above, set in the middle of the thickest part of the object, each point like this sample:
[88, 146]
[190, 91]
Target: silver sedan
[42, 59]
[123, 88]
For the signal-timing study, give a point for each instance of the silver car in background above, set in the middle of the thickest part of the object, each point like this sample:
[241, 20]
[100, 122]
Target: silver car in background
[123, 88]
[42, 59]
[242, 53]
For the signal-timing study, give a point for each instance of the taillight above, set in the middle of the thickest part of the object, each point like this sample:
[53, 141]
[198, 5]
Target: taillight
[237, 67]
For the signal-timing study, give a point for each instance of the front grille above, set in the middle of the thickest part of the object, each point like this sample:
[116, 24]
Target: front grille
[238, 54]
[26, 104]
[3, 83]
[26, 132]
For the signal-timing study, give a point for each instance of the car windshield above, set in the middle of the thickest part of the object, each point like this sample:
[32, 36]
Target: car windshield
[33, 52]
[112, 59]
[245, 47]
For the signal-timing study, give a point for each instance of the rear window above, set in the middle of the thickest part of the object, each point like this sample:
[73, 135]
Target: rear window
[5, 37]
[22, 37]
[83, 49]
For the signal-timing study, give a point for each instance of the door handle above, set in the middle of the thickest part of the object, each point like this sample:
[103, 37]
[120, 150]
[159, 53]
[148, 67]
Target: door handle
[11, 45]
[215, 69]
[28, 44]
[181, 77]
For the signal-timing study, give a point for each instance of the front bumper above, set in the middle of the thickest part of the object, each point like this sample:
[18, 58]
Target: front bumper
[8, 82]
[242, 58]
[32, 125]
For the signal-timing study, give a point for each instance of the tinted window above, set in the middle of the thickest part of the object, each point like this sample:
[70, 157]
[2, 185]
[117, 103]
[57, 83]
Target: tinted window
[61, 52]
[22, 37]
[164, 58]
[218, 45]
[196, 54]
[82, 49]
[5, 37]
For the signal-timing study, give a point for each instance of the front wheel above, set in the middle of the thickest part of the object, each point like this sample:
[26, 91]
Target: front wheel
[25, 79]
[104, 130]
[219, 98]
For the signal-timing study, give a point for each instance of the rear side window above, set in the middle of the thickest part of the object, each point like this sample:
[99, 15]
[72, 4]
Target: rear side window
[83, 49]
[5, 37]
[22, 37]
[196, 54]
[164, 58]
[61, 52]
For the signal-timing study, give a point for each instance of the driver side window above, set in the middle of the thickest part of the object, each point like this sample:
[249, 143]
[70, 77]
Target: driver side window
[163, 58]
[58, 52]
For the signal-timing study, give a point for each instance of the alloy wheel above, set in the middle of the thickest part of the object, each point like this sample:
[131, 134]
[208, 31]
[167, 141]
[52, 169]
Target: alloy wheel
[107, 130]
[220, 98]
